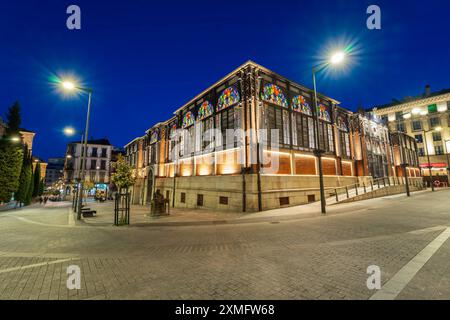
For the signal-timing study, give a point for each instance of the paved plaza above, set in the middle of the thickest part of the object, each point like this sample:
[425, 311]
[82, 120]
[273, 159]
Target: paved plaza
[293, 253]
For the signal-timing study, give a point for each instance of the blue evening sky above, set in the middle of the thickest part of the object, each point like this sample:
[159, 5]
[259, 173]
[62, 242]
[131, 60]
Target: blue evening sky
[145, 59]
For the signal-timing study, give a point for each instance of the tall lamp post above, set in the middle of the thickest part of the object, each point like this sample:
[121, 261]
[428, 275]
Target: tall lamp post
[447, 143]
[337, 58]
[70, 86]
[437, 129]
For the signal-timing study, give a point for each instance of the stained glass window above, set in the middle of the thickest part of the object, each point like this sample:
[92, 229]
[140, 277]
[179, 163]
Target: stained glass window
[323, 113]
[300, 104]
[188, 119]
[341, 123]
[229, 97]
[205, 110]
[154, 136]
[173, 130]
[273, 93]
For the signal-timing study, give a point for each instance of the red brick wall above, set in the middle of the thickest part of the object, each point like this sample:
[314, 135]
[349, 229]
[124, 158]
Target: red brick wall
[305, 165]
[329, 167]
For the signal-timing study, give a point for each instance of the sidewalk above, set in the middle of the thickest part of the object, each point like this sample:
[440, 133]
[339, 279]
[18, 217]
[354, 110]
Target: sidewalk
[140, 215]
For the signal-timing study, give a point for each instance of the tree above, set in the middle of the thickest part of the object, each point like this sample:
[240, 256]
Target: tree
[11, 155]
[37, 179]
[41, 187]
[11, 158]
[25, 179]
[13, 118]
[29, 196]
[123, 176]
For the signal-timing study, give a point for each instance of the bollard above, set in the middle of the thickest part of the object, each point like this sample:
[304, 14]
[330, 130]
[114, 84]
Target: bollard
[346, 190]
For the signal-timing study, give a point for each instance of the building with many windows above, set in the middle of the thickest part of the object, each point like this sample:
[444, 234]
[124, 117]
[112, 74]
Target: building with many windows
[426, 118]
[97, 165]
[253, 141]
[54, 171]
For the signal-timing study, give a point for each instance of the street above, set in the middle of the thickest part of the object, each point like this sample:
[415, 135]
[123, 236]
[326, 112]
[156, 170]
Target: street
[293, 256]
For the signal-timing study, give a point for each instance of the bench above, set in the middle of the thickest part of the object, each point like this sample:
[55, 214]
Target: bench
[89, 214]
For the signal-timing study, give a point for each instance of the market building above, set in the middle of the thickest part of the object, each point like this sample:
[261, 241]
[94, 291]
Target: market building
[426, 118]
[251, 142]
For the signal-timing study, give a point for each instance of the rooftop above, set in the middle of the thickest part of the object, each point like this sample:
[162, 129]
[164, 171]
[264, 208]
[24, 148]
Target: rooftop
[425, 95]
[104, 142]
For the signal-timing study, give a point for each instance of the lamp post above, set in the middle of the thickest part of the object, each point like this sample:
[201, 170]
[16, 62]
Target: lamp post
[337, 58]
[68, 85]
[428, 154]
[448, 160]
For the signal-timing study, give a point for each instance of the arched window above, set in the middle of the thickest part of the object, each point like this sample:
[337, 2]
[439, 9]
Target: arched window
[323, 113]
[154, 137]
[300, 104]
[229, 96]
[274, 94]
[205, 110]
[188, 119]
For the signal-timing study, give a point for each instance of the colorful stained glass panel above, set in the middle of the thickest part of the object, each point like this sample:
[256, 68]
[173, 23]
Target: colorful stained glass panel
[229, 97]
[274, 94]
[188, 119]
[323, 113]
[300, 104]
[205, 110]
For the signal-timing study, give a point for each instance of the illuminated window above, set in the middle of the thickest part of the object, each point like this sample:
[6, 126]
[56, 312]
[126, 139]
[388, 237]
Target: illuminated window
[300, 104]
[188, 119]
[274, 94]
[416, 125]
[230, 96]
[323, 113]
[205, 110]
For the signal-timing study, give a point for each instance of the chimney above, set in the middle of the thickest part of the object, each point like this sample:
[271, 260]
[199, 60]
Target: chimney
[427, 90]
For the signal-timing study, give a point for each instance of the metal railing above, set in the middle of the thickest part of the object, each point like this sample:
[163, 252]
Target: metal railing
[360, 188]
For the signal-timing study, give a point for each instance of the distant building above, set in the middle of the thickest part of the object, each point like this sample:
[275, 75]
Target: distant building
[426, 118]
[97, 165]
[55, 171]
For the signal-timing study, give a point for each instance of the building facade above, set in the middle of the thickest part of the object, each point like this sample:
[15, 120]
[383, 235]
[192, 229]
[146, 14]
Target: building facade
[55, 171]
[426, 118]
[97, 165]
[251, 142]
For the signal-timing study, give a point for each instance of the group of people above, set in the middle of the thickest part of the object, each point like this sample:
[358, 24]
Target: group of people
[43, 200]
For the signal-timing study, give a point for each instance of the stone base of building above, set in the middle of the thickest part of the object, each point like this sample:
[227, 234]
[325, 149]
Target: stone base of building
[239, 193]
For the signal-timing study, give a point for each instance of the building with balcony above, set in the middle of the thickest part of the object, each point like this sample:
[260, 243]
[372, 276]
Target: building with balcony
[426, 118]
[97, 165]
[249, 142]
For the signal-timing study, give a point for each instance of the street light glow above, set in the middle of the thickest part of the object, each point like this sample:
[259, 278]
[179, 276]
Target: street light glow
[69, 131]
[15, 139]
[69, 85]
[337, 58]
[438, 129]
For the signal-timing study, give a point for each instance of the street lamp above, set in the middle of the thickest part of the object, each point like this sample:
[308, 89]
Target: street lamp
[447, 144]
[15, 139]
[335, 59]
[71, 86]
[69, 131]
[437, 129]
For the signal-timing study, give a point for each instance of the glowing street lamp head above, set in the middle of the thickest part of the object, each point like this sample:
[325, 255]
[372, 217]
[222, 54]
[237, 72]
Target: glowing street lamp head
[69, 131]
[15, 139]
[337, 58]
[68, 85]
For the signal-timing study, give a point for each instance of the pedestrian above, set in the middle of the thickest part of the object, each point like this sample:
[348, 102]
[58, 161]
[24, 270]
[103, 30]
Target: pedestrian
[45, 200]
[40, 199]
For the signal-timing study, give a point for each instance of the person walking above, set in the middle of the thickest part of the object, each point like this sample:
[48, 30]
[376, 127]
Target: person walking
[40, 200]
[45, 200]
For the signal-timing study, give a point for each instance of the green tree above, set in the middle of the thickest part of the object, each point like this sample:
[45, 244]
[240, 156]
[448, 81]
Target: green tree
[29, 196]
[25, 179]
[13, 118]
[37, 179]
[123, 176]
[11, 155]
[11, 158]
